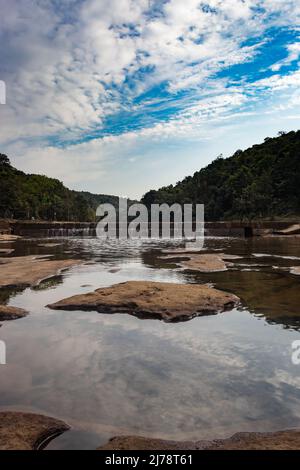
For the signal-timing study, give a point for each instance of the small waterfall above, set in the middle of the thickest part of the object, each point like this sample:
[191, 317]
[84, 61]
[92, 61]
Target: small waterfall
[55, 231]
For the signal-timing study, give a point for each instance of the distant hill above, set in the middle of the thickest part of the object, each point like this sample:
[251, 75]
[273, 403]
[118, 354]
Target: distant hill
[93, 200]
[261, 182]
[25, 196]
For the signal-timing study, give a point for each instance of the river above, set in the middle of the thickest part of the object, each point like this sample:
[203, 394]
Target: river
[112, 374]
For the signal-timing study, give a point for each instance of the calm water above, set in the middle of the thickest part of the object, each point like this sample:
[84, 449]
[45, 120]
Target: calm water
[113, 374]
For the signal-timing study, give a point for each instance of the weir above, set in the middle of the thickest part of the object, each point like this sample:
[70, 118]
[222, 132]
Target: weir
[214, 229]
[52, 229]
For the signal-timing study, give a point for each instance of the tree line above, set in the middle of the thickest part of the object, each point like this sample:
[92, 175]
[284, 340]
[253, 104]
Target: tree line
[260, 182]
[24, 196]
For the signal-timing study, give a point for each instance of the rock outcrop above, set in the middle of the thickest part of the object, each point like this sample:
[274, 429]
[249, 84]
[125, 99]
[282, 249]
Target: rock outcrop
[27, 431]
[144, 299]
[7, 237]
[11, 313]
[282, 440]
[295, 270]
[202, 262]
[26, 271]
[292, 230]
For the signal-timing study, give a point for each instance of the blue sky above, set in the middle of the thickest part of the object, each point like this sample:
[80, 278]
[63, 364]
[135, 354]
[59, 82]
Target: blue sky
[122, 96]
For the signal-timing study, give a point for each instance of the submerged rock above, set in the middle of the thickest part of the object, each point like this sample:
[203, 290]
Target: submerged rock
[27, 431]
[144, 299]
[26, 271]
[11, 313]
[205, 263]
[282, 440]
[6, 251]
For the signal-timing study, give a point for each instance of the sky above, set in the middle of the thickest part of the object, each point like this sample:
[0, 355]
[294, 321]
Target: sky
[124, 96]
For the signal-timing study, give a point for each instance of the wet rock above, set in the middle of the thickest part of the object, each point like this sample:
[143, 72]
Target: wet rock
[26, 431]
[181, 250]
[26, 271]
[292, 230]
[49, 245]
[164, 301]
[295, 270]
[282, 440]
[206, 263]
[6, 251]
[144, 443]
[8, 238]
[11, 313]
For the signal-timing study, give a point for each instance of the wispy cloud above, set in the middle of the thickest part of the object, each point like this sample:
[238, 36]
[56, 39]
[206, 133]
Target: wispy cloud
[109, 71]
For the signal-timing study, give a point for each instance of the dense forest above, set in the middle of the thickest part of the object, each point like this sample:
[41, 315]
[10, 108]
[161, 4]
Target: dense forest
[25, 196]
[261, 182]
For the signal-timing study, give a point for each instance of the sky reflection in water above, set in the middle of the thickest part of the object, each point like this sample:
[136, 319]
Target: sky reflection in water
[115, 374]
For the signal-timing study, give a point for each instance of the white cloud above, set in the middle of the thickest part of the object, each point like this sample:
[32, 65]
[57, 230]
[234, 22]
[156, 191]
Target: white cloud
[66, 68]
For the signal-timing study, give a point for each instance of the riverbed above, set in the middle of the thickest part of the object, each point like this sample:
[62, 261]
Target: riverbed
[114, 374]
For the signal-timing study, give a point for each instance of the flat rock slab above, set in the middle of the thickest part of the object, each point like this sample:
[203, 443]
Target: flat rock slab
[163, 301]
[282, 440]
[295, 270]
[11, 313]
[9, 238]
[181, 250]
[292, 230]
[205, 263]
[26, 271]
[26, 431]
[6, 251]
[49, 245]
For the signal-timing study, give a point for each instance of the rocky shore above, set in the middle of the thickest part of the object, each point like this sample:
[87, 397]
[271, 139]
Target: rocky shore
[28, 271]
[164, 301]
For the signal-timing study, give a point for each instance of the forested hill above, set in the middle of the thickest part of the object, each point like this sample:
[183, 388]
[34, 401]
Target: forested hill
[261, 182]
[25, 196]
